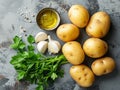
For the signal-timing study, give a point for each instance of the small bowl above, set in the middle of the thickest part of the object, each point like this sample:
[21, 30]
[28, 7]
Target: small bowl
[48, 19]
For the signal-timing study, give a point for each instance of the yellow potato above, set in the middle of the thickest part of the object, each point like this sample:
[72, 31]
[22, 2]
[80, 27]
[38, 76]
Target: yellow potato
[95, 48]
[99, 25]
[103, 66]
[67, 32]
[82, 75]
[78, 15]
[73, 52]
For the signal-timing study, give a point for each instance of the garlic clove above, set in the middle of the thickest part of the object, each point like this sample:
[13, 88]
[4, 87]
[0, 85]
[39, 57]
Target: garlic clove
[58, 44]
[42, 46]
[41, 36]
[53, 46]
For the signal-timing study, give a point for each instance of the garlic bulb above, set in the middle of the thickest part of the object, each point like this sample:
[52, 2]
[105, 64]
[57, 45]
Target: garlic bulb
[42, 46]
[53, 46]
[41, 36]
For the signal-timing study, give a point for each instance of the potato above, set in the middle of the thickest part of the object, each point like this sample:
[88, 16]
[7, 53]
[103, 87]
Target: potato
[78, 15]
[99, 25]
[83, 75]
[103, 66]
[73, 52]
[95, 47]
[68, 32]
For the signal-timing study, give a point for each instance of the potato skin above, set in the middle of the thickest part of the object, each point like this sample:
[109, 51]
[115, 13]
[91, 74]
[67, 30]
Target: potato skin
[98, 25]
[95, 47]
[103, 66]
[83, 75]
[67, 32]
[73, 52]
[78, 15]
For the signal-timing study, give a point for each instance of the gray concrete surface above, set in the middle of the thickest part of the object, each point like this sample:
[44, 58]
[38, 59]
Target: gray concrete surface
[11, 20]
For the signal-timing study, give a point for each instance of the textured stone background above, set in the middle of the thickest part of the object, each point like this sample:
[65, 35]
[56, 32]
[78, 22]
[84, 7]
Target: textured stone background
[12, 17]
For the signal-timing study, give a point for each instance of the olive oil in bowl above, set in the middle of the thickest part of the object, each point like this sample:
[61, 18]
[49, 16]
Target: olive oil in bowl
[48, 19]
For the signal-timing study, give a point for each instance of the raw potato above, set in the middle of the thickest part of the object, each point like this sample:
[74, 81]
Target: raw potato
[95, 48]
[67, 32]
[73, 52]
[82, 75]
[78, 15]
[103, 66]
[99, 25]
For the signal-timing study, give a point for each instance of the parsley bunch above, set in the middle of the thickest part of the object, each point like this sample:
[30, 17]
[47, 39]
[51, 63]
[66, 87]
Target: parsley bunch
[35, 67]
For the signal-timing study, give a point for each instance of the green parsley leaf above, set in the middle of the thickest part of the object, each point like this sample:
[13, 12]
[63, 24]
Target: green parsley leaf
[16, 40]
[54, 76]
[18, 44]
[30, 39]
[17, 59]
[21, 74]
[40, 88]
[21, 45]
[31, 47]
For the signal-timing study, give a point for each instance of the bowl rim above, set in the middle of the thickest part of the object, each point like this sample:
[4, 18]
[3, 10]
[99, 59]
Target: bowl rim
[52, 9]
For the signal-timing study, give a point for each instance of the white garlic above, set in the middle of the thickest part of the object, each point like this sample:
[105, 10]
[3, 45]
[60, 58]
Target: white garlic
[42, 46]
[53, 46]
[41, 36]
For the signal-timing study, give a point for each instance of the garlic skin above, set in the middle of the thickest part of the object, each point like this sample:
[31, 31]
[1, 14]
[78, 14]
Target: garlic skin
[42, 46]
[53, 46]
[41, 36]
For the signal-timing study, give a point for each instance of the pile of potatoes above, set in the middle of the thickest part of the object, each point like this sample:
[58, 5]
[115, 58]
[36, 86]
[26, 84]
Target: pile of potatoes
[97, 27]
